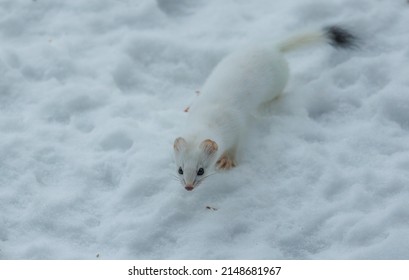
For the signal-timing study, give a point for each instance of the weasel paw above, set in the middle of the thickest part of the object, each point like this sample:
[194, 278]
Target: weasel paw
[225, 162]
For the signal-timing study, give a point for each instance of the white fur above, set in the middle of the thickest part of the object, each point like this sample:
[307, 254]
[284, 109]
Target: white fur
[238, 87]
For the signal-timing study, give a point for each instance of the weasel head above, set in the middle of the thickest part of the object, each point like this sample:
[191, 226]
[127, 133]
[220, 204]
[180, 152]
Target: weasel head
[194, 162]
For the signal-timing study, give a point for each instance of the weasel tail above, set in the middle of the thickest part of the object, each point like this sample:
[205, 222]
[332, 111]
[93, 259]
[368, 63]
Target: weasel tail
[333, 35]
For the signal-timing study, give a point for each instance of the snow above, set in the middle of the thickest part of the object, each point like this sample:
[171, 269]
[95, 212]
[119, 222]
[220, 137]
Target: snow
[92, 96]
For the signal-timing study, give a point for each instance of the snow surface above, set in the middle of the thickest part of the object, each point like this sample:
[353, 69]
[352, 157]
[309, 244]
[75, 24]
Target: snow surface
[92, 95]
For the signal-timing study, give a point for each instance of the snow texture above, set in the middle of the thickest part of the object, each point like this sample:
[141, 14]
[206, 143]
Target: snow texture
[92, 96]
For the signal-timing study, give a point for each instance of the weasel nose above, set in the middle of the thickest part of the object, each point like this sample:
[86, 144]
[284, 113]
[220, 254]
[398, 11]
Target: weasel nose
[189, 188]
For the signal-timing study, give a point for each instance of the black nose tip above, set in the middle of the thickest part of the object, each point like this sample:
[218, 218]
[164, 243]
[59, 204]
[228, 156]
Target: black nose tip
[189, 188]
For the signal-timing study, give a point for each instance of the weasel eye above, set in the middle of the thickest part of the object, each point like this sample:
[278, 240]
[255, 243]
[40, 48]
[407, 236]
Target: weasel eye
[180, 171]
[200, 172]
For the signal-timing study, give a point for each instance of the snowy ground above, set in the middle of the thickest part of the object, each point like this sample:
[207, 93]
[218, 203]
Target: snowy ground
[91, 97]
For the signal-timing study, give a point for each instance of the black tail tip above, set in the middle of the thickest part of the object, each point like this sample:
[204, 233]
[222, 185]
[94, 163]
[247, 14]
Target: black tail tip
[340, 37]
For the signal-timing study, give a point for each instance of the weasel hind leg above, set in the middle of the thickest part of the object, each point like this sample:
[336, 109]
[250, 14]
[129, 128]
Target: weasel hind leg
[227, 160]
[267, 108]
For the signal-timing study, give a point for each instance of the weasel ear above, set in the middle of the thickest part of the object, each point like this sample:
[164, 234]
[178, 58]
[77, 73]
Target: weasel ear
[209, 146]
[179, 144]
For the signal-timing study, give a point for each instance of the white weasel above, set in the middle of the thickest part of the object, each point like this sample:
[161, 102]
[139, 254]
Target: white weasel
[236, 89]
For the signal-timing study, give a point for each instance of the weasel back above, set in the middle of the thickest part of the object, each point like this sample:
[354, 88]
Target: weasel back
[245, 79]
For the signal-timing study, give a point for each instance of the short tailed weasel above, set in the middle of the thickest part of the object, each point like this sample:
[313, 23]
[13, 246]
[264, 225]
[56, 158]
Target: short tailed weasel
[238, 86]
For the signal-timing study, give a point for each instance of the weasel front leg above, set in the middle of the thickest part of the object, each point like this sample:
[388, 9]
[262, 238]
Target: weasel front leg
[227, 160]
